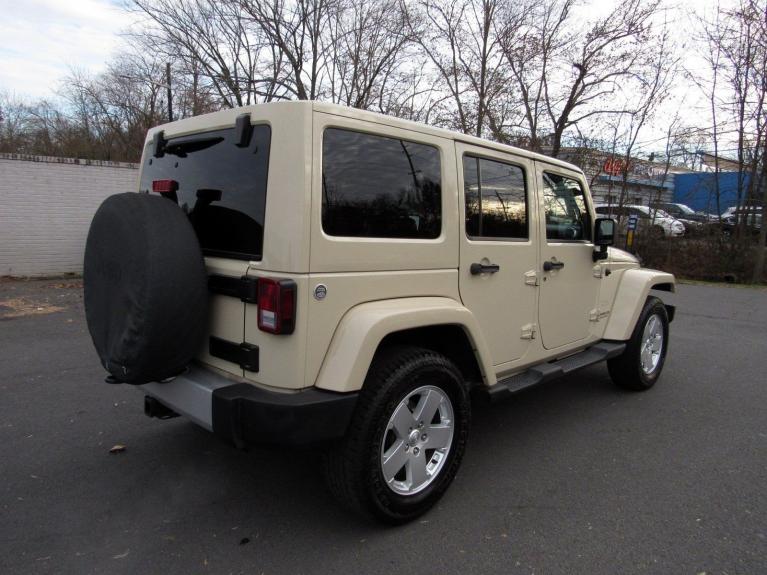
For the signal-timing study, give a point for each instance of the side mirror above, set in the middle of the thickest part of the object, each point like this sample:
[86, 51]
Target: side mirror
[604, 232]
[604, 235]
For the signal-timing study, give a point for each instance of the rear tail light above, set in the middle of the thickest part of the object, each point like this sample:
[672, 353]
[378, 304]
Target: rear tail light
[276, 305]
[164, 186]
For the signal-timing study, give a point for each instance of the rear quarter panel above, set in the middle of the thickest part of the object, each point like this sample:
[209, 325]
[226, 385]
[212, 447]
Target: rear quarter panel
[364, 326]
[356, 270]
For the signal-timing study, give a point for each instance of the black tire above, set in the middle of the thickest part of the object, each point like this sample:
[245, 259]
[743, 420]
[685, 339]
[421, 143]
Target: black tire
[145, 288]
[353, 467]
[626, 370]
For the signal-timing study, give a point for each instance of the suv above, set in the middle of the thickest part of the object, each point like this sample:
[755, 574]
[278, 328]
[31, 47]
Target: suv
[653, 221]
[307, 274]
[751, 217]
[692, 220]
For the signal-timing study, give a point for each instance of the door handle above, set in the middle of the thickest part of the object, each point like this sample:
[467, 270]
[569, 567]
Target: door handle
[551, 265]
[477, 269]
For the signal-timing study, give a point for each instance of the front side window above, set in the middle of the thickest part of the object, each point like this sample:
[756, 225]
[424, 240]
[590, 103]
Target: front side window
[379, 187]
[495, 195]
[564, 204]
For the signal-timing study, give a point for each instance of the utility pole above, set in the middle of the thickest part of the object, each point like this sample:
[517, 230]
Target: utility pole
[170, 93]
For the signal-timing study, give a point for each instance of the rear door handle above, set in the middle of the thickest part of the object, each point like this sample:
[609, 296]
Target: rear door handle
[551, 265]
[477, 269]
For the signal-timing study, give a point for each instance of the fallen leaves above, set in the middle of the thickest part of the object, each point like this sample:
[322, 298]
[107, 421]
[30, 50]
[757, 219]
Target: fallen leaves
[20, 307]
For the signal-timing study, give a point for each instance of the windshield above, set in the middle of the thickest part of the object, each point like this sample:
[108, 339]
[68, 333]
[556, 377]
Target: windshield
[220, 185]
[686, 209]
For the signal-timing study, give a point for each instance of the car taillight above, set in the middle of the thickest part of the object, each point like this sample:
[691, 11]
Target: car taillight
[276, 305]
[164, 186]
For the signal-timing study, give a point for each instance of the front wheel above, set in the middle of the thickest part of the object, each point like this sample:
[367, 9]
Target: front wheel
[406, 439]
[640, 365]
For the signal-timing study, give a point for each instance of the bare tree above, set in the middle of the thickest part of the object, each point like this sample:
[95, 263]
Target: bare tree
[214, 40]
[568, 74]
[736, 43]
[460, 40]
[14, 124]
[656, 81]
[366, 49]
[295, 29]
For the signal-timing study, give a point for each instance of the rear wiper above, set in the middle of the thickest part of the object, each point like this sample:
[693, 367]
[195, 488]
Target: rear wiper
[184, 147]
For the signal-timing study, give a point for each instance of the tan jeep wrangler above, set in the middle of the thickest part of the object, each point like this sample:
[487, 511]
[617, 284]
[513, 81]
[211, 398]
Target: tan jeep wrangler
[302, 273]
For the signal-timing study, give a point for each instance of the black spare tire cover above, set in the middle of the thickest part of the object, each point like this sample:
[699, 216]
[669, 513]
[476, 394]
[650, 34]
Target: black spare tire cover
[145, 288]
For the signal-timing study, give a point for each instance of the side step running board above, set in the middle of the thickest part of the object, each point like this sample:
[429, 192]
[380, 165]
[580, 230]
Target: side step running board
[554, 369]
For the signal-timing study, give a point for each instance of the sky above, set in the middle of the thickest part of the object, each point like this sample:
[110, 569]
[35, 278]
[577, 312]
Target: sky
[41, 40]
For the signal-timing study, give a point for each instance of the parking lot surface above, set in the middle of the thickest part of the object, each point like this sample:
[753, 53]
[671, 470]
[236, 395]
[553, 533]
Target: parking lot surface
[575, 476]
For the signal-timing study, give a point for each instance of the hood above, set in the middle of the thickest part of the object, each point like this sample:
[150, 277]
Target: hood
[619, 256]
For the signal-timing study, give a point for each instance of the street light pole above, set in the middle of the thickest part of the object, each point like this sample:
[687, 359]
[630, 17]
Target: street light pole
[170, 94]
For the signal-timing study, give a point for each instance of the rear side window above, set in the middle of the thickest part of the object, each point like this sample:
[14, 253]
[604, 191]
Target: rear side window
[496, 205]
[221, 186]
[379, 187]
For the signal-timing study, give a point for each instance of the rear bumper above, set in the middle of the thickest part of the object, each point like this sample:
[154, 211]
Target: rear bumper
[242, 413]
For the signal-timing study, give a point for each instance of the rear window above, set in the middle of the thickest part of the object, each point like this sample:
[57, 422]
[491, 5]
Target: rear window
[379, 187]
[221, 186]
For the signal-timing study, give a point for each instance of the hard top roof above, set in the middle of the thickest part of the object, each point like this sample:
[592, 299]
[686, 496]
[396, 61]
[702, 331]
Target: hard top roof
[217, 119]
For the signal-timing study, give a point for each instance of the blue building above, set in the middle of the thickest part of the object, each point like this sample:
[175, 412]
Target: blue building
[698, 190]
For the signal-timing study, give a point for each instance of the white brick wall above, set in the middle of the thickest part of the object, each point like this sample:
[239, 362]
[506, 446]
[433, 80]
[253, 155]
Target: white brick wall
[46, 206]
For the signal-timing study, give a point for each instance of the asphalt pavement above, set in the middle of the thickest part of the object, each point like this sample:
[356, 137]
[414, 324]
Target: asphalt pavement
[575, 476]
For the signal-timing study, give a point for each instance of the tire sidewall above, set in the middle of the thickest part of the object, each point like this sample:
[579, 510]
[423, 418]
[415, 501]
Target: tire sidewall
[144, 288]
[425, 371]
[653, 307]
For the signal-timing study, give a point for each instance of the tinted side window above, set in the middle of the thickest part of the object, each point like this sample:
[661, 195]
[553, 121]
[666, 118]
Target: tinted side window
[379, 187]
[565, 206]
[495, 195]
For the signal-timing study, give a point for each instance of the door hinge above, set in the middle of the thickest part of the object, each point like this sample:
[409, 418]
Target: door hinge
[243, 354]
[245, 288]
[597, 271]
[529, 331]
[531, 278]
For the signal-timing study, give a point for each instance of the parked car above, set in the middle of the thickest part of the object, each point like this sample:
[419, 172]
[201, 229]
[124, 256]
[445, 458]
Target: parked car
[753, 213]
[301, 273]
[692, 220]
[652, 221]
[752, 217]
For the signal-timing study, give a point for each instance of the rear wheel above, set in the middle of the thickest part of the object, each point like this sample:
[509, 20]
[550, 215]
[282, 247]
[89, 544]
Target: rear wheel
[407, 437]
[640, 365]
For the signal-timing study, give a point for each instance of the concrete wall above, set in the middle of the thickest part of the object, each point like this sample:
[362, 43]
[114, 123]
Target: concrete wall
[46, 206]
